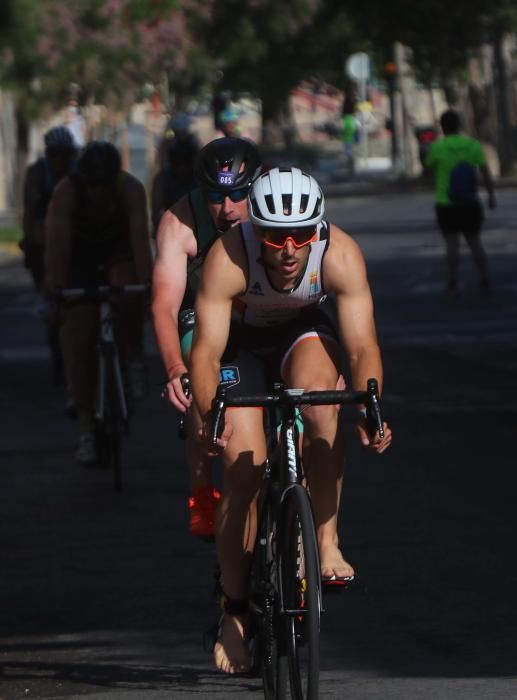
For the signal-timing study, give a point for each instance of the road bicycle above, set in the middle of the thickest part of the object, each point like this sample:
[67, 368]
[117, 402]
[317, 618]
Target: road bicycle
[111, 403]
[285, 588]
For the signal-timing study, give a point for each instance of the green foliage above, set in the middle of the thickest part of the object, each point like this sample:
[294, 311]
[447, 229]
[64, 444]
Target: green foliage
[263, 47]
[10, 234]
[258, 50]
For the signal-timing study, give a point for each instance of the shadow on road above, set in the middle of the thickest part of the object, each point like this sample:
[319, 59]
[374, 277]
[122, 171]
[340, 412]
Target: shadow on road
[108, 590]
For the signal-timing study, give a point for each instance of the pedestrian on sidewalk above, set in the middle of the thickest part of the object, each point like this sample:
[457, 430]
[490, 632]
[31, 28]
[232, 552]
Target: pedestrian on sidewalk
[350, 133]
[456, 159]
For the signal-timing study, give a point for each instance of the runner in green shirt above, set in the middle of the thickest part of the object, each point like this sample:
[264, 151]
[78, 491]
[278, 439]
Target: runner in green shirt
[455, 159]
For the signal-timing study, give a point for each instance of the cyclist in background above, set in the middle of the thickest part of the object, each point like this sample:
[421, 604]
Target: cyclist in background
[225, 169]
[40, 180]
[229, 122]
[175, 179]
[178, 130]
[260, 315]
[98, 217]
[220, 102]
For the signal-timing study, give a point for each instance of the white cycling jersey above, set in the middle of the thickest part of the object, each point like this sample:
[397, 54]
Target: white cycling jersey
[263, 305]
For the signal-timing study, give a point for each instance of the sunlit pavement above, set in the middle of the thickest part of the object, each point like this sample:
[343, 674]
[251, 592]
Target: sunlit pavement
[105, 595]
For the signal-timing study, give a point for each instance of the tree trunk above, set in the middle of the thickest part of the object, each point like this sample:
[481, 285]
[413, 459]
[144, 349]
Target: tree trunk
[504, 142]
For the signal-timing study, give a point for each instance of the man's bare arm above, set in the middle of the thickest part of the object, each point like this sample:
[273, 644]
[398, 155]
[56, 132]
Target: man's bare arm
[345, 274]
[223, 278]
[489, 184]
[175, 244]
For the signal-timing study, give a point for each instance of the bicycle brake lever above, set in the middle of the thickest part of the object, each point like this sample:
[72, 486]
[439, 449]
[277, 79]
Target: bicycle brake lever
[218, 408]
[185, 385]
[374, 409]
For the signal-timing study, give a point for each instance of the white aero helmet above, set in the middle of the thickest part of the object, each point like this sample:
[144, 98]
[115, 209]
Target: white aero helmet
[286, 198]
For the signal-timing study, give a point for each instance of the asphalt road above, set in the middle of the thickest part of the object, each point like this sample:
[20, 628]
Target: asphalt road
[105, 595]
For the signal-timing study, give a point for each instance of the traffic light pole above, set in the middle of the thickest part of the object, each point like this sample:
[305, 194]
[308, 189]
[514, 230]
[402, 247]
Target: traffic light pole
[390, 74]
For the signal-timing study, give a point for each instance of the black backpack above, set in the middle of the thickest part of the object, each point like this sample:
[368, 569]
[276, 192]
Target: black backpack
[463, 184]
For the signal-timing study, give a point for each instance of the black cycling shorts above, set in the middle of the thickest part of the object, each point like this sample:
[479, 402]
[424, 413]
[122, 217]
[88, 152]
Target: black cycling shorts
[254, 357]
[454, 219]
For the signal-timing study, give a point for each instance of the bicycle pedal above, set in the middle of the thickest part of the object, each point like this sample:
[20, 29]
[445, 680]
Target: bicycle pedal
[340, 585]
[335, 583]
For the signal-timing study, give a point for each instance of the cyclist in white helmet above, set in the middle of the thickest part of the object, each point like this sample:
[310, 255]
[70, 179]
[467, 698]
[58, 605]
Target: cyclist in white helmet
[261, 315]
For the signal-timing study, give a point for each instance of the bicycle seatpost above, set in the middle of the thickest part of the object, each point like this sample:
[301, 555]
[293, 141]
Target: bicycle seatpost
[374, 408]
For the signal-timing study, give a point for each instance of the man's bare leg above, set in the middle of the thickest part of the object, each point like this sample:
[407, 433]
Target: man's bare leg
[479, 255]
[236, 527]
[78, 335]
[313, 367]
[200, 466]
[452, 244]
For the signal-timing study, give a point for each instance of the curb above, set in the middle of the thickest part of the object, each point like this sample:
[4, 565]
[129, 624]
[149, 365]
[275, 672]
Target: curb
[399, 186]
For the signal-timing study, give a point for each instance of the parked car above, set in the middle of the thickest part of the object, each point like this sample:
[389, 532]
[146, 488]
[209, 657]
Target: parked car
[425, 135]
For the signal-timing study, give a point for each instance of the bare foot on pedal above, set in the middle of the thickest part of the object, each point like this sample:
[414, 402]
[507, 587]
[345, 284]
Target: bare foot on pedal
[333, 564]
[230, 651]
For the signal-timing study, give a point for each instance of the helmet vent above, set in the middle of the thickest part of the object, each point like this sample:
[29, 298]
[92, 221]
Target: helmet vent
[317, 207]
[304, 201]
[287, 204]
[270, 204]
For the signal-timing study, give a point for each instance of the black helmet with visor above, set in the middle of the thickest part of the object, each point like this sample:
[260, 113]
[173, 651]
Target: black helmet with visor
[227, 165]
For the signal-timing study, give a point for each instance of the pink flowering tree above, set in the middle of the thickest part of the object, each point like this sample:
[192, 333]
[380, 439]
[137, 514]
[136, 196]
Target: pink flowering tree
[111, 48]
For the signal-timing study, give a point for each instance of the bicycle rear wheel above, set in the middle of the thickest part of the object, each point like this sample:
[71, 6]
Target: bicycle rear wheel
[301, 593]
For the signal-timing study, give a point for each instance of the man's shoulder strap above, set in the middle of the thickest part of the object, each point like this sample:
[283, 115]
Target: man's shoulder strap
[203, 224]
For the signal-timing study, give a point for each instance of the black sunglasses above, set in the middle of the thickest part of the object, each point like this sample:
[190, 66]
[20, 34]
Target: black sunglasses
[217, 197]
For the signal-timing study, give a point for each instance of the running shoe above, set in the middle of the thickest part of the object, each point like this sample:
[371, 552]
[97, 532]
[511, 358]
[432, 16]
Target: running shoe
[86, 452]
[202, 505]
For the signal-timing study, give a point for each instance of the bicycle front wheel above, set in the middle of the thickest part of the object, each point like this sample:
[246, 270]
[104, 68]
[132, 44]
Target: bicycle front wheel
[301, 593]
[270, 637]
[110, 420]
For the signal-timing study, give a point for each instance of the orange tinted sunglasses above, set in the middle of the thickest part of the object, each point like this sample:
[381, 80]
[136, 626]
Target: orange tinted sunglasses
[278, 237]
